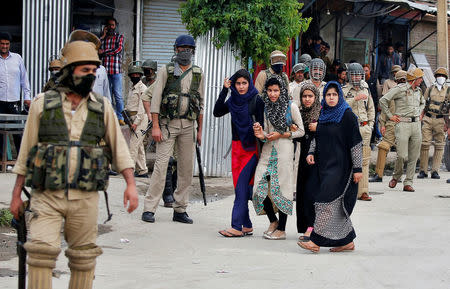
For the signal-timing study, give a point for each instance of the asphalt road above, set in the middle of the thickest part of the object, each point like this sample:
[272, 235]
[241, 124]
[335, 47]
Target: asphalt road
[402, 242]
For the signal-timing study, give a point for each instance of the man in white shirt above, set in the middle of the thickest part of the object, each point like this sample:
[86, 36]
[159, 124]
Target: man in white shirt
[101, 84]
[13, 78]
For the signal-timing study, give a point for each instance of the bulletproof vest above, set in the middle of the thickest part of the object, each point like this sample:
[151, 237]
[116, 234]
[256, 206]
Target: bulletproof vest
[283, 76]
[437, 107]
[171, 97]
[48, 161]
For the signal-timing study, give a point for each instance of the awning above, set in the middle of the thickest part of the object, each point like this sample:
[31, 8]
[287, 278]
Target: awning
[430, 9]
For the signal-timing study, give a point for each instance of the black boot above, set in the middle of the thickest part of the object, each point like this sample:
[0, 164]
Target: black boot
[435, 175]
[182, 218]
[422, 175]
[375, 179]
[148, 217]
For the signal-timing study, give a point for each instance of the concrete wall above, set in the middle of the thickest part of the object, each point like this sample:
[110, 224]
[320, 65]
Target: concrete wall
[124, 13]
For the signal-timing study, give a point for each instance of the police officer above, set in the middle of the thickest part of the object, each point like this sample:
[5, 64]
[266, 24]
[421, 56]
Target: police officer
[277, 63]
[357, 94]
[305, 58]
[437, 99]
[150, 68]
[54, 67]
[409, 103]
[391, 82]
[317, 70]
[387, 129]
[135, 110]
[69, 136]
[176, 107]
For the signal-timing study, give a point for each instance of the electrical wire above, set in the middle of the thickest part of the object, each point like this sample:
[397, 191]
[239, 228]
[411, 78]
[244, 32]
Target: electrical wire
[110, 7]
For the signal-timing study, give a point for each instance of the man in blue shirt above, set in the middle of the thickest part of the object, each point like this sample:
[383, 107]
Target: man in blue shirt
[13, 78]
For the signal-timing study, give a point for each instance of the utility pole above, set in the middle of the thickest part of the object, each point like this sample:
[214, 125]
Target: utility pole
[442, 34]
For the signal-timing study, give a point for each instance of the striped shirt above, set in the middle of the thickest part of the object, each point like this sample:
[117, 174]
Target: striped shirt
[112, 47]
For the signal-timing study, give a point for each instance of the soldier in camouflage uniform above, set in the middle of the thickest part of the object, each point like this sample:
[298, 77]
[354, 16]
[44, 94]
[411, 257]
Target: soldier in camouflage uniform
[437, 99]
[138, 117]
[54, 67]
[176, 107]
[70, 137]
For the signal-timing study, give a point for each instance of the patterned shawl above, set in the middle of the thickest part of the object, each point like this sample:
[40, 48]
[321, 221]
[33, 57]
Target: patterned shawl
[276, 111]
[310, 114]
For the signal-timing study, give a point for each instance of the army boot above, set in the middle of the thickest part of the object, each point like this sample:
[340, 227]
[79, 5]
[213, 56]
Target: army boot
[422, 175]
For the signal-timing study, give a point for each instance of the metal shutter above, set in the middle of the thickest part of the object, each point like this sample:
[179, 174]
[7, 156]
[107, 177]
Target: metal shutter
[161, 26]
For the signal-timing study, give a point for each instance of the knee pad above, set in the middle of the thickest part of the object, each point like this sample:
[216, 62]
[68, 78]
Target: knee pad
[41, 255]
[83, 258]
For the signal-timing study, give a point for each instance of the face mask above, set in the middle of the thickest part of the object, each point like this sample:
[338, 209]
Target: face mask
[277, 68]
[135, 79]
[184, 58]
[54, 73]
[82, 85]
[440, 80]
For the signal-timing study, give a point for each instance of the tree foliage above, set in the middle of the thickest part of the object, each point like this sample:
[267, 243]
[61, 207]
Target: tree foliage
[254, 27]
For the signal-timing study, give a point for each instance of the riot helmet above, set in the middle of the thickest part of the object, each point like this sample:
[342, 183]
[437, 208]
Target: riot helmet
[317, 69]
[355, 74]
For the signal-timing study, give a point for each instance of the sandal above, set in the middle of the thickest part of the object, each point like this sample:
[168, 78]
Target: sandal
[346, 248]
[229, 234]
[249, 232]
[313, 248]
[304, 238]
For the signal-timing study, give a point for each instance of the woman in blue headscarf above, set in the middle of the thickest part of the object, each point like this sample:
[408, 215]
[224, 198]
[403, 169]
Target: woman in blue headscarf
[337, 152]
[245, 107]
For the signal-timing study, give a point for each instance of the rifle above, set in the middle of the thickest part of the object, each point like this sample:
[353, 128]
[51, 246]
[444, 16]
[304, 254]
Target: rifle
[21, 228]
[149, 127]
[200, 173]
[127, 120]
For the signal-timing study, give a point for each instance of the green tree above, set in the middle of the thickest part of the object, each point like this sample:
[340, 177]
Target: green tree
[254, 27]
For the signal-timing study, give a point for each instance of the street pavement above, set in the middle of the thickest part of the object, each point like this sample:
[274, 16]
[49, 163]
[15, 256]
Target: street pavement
[402, 242]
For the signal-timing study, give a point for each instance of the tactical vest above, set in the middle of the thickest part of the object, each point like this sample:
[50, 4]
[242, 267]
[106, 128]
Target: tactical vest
[283, 76]
[48, 161]
[437, 107]
[171, 97]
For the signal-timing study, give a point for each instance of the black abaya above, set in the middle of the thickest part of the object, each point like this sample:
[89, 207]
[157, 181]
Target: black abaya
[337, 151]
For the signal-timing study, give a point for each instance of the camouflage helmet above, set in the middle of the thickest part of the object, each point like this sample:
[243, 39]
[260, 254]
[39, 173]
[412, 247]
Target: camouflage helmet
[441, 71]
[400, 75]
[317, 69]
[135, 67]
[305, 58]
[277, 57]
[150, 64]
[355, 74]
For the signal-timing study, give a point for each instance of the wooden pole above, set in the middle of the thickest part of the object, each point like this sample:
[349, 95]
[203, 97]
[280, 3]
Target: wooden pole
[442, 34]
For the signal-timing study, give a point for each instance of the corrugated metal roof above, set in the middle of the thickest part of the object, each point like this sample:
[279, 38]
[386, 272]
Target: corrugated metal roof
[429, 7]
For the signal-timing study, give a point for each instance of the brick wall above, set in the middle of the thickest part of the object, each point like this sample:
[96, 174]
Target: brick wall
[429, 46]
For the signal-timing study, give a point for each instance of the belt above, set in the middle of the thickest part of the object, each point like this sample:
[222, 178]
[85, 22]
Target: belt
[434, 116]
[409, 119]
[132, 113]
[363, 123]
